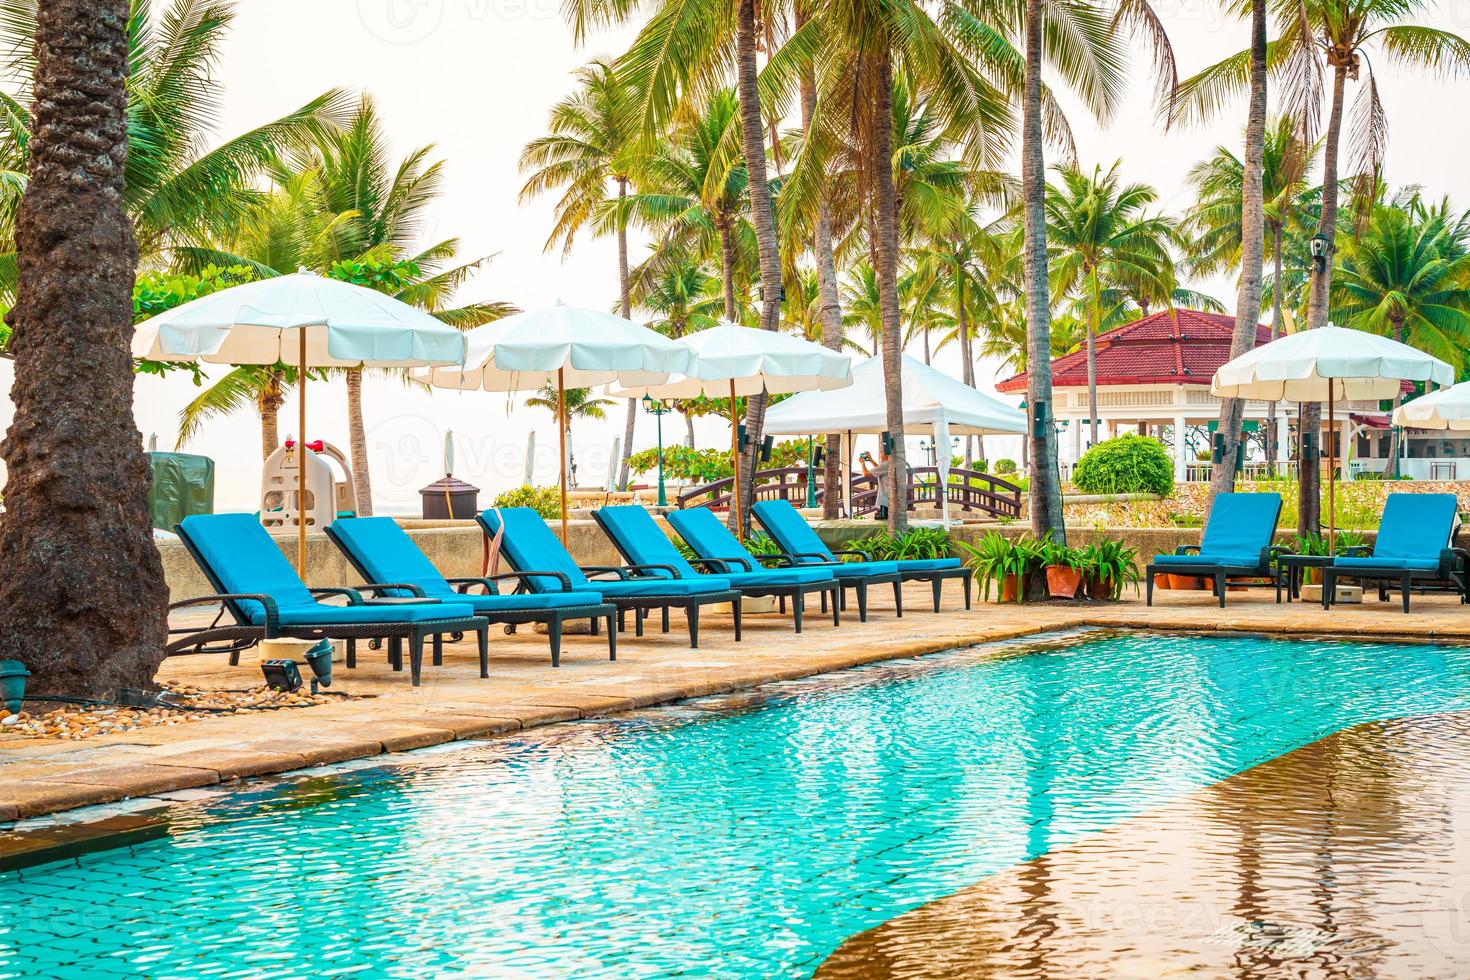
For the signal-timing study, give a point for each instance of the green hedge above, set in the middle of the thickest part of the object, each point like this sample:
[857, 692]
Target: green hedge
[1128, 464]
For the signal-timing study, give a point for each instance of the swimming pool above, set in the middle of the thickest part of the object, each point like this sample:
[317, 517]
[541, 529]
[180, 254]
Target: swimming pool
[703, 843]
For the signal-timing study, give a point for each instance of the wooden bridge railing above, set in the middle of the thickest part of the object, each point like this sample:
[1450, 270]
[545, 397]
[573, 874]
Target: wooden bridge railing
[967, 490]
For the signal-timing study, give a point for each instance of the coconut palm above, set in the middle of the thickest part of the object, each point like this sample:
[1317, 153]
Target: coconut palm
[1406, 275]
[577, 403]
[1338, 35]
[591, 143]
[1103, 237]
[76, 510]
[679, 296]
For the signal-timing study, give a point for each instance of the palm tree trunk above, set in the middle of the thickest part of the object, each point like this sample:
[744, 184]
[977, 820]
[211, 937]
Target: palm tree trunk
[271, 399]
[362, 483]
[1394, 431]
[82, 601]
[763, 217]
[829, 305]
[689, 431]
[1092, 323]
[886, 206]
[1252, 251]
[967, 354]
[1272, 448]
[1046, 491]
[727, 271]
[1309, 509]
[625, 298]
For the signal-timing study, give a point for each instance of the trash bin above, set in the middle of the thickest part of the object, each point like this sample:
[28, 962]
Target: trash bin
[450, 499]
[183, 484]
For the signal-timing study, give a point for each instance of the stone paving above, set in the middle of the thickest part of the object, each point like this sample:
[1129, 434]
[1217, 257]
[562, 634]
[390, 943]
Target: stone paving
[385, 714]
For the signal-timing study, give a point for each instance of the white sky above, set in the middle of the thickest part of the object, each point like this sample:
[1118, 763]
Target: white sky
[477, 77]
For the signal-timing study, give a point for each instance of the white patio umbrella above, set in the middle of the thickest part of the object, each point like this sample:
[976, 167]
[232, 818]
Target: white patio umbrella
[304, 320]
[1448, 408]
[931, 399]
[574, 347]
[731, 360]
[1325, 365]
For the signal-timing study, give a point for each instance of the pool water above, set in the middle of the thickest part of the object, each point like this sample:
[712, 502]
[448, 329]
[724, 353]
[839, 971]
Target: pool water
[703, 843]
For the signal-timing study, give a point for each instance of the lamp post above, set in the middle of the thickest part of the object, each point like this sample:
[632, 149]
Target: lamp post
[811, 472]
[658, 410]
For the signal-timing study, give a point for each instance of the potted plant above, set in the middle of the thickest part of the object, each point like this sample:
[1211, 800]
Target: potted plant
[1003, 562]
[1107, 566]
[1063, 569]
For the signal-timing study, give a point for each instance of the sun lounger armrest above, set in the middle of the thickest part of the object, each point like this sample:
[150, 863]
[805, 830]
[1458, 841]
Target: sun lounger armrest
[1355, 551]
[1187, 549]
[378, 588]
[720, 566]
[823, 559]
[673, 572]
[524, 577]
[781, 559]
[354, 598]
[604, 570]
[855, 552]
[272, 611]
[1453, 561]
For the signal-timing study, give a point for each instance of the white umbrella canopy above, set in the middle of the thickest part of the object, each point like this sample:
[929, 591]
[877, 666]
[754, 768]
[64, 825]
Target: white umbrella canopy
[567, 346]
[733, 361]
[931, 399]
[1328, 363]
[1448, 408]
[304, 320]
[577, 347]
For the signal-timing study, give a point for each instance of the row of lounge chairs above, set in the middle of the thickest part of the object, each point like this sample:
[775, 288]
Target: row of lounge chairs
[406, 598]
[1414, 549]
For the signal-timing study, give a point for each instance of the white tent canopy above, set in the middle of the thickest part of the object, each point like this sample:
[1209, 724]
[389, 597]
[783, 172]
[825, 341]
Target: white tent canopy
[1448, 408]
[931, 399]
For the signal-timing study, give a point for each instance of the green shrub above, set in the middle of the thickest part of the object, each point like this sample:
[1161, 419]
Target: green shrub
[915, 543]
[545, 501]
[1005, 467]
[1128, 464]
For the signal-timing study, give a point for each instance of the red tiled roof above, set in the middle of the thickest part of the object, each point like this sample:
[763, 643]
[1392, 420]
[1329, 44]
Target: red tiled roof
[1169, 347]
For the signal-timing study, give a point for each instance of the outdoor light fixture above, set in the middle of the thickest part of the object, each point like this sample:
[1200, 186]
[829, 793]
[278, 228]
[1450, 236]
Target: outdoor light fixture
[281, 675]
[888, 443]
[1040, 418]
[767, 444]
[744, 439]
[1321, 248]
[658, 410]
[13, 676]
[319, 659]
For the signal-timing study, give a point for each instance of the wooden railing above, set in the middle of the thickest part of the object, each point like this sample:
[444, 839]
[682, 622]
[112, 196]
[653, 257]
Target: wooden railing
[967, 490]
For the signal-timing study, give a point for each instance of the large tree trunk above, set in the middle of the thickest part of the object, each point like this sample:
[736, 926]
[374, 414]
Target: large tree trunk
[83, 598]
[1092, 323]
[362, 483]
[1046, 491]
[886, 206]
[967, 354]
[727, 270]
[271, 399]
[625, 299]
[829, 304]
[1272, 448]
[1309, 509]
[1252, 251]
[1395, 432]
[763, 217]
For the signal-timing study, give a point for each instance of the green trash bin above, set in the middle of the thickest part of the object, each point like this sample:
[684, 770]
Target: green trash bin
[183, 484]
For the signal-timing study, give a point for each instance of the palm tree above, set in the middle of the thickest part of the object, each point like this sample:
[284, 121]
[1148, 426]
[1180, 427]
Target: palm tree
[680, 296]
[591, 144]
[1103, 238]
[75, 502]
[1213, 225]
[1342, 33]
[1406, 275]
[578, 403]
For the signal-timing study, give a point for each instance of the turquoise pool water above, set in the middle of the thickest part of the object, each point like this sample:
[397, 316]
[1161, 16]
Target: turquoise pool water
[698, 843]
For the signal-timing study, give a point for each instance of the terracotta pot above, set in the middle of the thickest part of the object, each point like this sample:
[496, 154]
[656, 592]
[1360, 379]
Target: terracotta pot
[1163, 580]
[1011, 588]
[1100, 589]
[1062, 582]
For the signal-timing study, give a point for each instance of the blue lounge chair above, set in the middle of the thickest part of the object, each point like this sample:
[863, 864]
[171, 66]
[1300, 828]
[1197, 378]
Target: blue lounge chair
[638, 538]
[530, 545]
[259, 588]
[1236, 544]
[801, 544]
[1414, 545]
[381, 551]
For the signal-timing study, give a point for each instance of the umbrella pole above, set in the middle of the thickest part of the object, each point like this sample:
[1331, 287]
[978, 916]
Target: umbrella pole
[561, 435]
[1331, 471]
[301, 457]
[735, 458]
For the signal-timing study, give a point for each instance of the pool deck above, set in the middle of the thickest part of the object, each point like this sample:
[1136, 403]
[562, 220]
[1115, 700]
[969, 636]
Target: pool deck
[44, 776]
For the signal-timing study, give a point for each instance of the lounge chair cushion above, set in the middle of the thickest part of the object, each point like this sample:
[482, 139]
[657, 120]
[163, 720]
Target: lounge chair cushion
[1239, 531]
[240, 556]
[532, 546]
[850, 570]
[703, 585]
[639, 537]
[1415, 526]
[708, 535]
[777, 577]
[1393, 564]
[907, 565]
[489, 605]
[791, 531]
